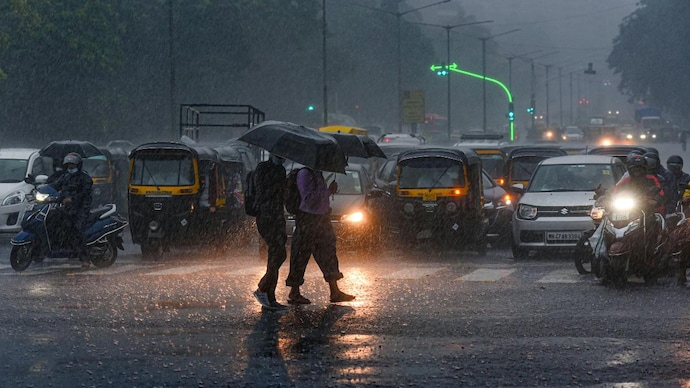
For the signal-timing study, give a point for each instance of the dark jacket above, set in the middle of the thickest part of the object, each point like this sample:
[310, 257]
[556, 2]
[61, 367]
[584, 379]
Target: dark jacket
[641, 187]
[76, 186]
[270, 183]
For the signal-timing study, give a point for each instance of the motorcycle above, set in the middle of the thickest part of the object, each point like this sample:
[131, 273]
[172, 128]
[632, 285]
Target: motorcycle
[636, 241]
[46, 230]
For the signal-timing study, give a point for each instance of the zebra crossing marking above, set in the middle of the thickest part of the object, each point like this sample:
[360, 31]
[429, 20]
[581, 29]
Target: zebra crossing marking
[486, 275]
[182, 270]
[411, 273]
[561, 276]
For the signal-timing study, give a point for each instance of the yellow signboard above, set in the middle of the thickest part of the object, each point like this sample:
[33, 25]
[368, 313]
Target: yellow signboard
[413, 106]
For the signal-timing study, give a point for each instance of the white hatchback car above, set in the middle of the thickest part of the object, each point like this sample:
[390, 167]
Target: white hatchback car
[15, 165]
[554, 209]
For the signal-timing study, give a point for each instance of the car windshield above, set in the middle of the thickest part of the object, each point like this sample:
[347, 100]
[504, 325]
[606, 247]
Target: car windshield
[524, 166]
[572, 177]
[96, 166]
[425, 173]
[12, 170]
[348, 183]
[493, 164]
[572, 131]
[163, 170]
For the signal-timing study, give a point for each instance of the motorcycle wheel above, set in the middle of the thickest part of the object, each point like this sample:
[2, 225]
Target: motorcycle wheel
[108, 257]
[20, 257]
[583, 263]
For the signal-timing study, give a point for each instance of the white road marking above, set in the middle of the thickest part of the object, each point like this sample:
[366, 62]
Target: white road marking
[561, 276]
[411, 273]
[486, 275]
[109, 271]
[4, 266]
[183, 270]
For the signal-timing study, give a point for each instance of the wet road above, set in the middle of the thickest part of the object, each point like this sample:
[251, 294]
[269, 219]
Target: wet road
[421, 318]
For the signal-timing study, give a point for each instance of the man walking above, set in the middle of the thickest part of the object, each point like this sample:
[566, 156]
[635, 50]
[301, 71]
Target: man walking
[314, 235]
[269, 181]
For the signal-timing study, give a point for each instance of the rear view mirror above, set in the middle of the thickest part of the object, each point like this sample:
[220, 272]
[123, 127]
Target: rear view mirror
[41, 179]
[518, 188]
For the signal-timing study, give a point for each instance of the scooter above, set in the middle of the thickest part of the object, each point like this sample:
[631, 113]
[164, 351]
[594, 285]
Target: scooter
[47, 230]
[636, 241]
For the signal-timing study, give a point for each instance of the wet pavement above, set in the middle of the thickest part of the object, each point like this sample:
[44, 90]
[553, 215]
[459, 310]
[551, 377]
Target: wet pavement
[421, 318]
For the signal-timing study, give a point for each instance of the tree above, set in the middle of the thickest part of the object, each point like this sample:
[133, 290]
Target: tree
[651, 53]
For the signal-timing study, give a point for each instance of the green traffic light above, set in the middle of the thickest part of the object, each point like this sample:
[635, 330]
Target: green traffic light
[310, 108]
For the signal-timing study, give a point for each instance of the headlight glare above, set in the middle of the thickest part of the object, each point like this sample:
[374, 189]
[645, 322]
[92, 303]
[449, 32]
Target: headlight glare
[353, 218]
[41, 197]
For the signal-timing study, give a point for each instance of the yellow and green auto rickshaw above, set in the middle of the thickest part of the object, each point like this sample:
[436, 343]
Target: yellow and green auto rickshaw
[438, 195]
[176, 196]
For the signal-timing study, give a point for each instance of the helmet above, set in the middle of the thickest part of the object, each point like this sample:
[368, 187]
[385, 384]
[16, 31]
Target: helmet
[631, 154]
[653, 161]
[674, 163]
[637, 166]
[73, 158]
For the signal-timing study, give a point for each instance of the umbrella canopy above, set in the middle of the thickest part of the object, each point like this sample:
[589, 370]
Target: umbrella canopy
[58, 149]
[298, 143]
[357, 145]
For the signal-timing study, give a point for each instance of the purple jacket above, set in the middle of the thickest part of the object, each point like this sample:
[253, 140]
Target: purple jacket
[314, 192]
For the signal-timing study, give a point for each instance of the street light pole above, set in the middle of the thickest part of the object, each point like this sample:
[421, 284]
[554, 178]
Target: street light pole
[484, 39]
[325, 71]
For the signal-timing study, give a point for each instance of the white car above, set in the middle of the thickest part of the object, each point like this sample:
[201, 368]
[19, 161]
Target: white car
[573, 134]
[554, 210]
[15, 165]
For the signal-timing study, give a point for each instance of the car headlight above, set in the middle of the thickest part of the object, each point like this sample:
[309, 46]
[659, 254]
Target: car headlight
[353, 218]
[527, 212]
[629, 136]
[643, 136]
[13, 199]
[504, 201]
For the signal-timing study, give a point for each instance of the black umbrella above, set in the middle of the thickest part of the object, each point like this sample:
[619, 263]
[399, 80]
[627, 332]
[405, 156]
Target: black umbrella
[298, 143]
[58, 149]
[357, 145]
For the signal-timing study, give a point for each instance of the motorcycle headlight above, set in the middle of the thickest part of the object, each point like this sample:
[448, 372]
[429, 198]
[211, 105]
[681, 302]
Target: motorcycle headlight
[353, 218]
[14, 198]
[623, 203]
[527, 212]
[41, 197]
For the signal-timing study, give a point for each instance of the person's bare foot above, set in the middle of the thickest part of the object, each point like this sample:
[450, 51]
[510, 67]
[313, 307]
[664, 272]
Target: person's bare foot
[341, 297]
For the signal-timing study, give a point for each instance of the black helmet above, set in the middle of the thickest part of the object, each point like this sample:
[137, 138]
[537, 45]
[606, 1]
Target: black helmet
[637, 166]
[674, 163]
[631, 154]
[653, 161]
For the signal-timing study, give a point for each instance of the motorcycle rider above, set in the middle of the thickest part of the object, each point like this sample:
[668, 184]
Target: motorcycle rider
[639, 182]
[74, 186]
[666, 178]
[674, 164]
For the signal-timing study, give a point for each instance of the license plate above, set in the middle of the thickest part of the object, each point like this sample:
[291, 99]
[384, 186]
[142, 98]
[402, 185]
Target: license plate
[563, 235]
[619, 216]
[429, 197]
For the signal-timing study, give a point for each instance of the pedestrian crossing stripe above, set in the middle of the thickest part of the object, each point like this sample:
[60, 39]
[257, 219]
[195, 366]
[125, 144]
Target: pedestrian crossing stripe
[561, 276]
[183, 270]
[411, 273]
[486, 275]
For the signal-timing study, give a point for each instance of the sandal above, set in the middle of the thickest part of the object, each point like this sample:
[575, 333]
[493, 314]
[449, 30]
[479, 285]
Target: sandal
[299, 299]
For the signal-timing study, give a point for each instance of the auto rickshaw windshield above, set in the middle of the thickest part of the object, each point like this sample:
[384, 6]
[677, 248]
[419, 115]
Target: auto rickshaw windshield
[163, 170]
[431, 173]
[96, 166]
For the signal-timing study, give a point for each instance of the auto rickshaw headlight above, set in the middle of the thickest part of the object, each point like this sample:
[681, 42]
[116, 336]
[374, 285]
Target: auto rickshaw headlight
[408, 207]
[96, 191]
[527, 212]
[154, 225]
[451, 207]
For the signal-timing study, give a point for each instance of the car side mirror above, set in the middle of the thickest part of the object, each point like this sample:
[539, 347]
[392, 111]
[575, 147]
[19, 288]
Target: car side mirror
[30, 179]
[41, 179]
[518, 188]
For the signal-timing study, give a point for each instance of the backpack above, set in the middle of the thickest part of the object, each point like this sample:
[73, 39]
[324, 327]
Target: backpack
[292, 197]
[250, 195]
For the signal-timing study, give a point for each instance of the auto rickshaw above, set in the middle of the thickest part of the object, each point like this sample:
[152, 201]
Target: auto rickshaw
[439, 196]
[521, 162]
[344, 129]
[176, 195]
